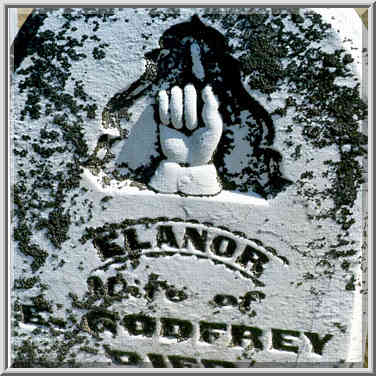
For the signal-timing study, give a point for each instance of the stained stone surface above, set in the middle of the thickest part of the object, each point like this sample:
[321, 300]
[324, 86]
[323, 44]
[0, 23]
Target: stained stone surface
[151, 231]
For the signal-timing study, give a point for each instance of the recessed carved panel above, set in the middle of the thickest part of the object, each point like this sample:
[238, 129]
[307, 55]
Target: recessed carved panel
[198, 114]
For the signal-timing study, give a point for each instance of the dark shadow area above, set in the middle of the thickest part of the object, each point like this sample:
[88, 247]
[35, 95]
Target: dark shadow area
[26, 37]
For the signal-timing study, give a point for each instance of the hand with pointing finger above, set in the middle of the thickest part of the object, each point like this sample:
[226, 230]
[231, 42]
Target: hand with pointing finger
[188, 166]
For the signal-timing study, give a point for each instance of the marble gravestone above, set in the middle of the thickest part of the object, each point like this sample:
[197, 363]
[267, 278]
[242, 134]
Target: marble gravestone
[186, 188]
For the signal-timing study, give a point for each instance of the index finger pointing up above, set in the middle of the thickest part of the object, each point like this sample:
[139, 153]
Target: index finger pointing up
[163, 107]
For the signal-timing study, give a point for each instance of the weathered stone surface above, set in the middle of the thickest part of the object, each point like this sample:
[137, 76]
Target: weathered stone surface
[187, 189]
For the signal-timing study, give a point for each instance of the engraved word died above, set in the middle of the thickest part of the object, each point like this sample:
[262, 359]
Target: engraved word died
[188, 168]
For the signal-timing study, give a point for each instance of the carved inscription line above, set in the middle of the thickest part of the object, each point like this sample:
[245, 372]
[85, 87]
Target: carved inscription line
[131, 358]
[90, 232]
[187, 239]
[173, 330]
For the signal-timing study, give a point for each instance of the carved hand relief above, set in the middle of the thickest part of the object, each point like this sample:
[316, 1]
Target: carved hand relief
[199, 105]
[188, 168]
